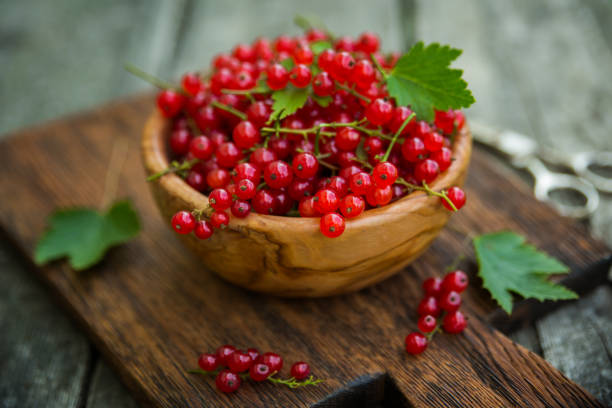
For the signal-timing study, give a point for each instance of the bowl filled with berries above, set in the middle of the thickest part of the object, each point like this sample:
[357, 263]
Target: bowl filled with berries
[312, 165]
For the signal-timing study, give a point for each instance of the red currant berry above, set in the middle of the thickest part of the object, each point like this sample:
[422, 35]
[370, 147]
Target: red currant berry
[263, 202]
[222, 79]
[379, 112]
[191, 83]
[342, 66]
[240, 208]
[454, 322]
[457, 197]
[443, 157]
[217, 138]
[326, 201]
[339, 185]
[459, 120]
[420, 129]
[429, 306]
[306, 207]
[384, 174]
[180, 141]
[363, 74]
[246, 171]
[427, 323]
[282, 202]
[284, 43]
[196, 180]
[239, 362]
[203, 229]
[373, 146]
[346, 159]
[352, 205]
[332, 225]
[300, 370]
[347, 138]
[326, 59]
[246, 189]
[263, 49]
[259, 372]
[258, 113]
[217, 178]
[224, 352]
[219, 199]
[299, 189]
[433, 141]
[183, 222]
[201, 148]
[323, 85]
[426, 171]
[277, 77]
[303, 55]
[449, 301]
[413, 149]
[227, 381]
[245, 135]
[432, 286]
[400, 114]
[445, 121]
[219, 219]
[416, 343]
[455, 281]
[382, 196]
[305, 165]
[300, 76]
[345, 43]
[170, 103]
[368, 43]
[347, 172]
[262, 156]
[278, 174]
[208, 362]
[360, 183]
[315, 34]
[272, 360]
[228, 155]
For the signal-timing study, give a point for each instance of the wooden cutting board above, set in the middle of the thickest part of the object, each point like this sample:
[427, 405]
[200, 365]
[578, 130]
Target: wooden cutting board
[151, 308]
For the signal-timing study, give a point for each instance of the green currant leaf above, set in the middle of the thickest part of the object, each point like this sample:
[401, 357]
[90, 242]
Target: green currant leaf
[287, 101]
[508, 264]
[423, 79]
[318, 47]
[287, 63]
[84, 235]
[323, 101]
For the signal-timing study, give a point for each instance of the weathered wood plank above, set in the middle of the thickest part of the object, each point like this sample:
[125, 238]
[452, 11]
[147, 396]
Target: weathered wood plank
[106, 390]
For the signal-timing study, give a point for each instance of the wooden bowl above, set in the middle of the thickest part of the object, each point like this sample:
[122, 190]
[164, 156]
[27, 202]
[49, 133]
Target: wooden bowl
[288, 256]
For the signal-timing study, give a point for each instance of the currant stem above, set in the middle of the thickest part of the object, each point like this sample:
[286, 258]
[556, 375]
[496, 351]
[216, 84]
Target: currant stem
[378, 66]
[395, 136]
[229, 109]
[175, 167]
[353, 92]
[428, 190]
[313, 129]
[362, 162]
[152, 79]
[247, 92]
[293, 383]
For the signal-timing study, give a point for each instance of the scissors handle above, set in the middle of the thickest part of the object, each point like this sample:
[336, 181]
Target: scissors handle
[581, 163]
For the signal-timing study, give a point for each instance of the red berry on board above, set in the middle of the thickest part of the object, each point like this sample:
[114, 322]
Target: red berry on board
[217, 178]
[245, 135]
[449, 301]
[247, 171]
[246, 189]
[219, 199]
[203, 229]
[224, 352]
[429, 306]
[352, 206]
[170, 103]
[208, 362]
[300, 370]
[239, 361]
[183, 222]
[326, 201]
[201, 147]
[240, 208]
[278, 174]
[300, 76]
[454, 322]
[457, 197]
[455, 281]
[426, 171]
[427, 323]
[227, 381]
[272, 360]
[384, 174]
[277, 77]
[219, 219]
[416, 343]
[360, 183]
[259, 372]
[379, 112]
[347, 138]
[332, 225]
[432, 286]
[306, 207]
[305, 165]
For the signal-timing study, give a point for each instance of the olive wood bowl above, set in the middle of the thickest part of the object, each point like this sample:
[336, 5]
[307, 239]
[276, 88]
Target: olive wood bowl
[289, 256]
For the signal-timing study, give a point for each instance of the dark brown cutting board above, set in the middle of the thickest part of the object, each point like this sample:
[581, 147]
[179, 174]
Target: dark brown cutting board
[151, 308]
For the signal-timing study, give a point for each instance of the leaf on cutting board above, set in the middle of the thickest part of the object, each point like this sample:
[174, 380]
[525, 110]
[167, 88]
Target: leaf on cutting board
[423, 79]
[507, 264]
[84, 235]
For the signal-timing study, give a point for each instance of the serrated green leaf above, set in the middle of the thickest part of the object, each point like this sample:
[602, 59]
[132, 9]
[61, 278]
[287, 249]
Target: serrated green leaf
[323, 101]
[423, 79]
[287, 101]
[84, 235]
[318, 47]
[287, 63]
[507, 264]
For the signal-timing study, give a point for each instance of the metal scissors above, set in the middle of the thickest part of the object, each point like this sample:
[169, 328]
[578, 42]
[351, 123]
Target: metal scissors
[524, 153]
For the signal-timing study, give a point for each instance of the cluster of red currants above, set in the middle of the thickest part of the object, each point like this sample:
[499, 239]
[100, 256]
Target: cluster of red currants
[442, 300]
[347, 149]
[236, 365]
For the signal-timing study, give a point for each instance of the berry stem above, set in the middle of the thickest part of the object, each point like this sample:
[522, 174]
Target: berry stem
[229, 109]
[175, 167]
[152, 79]
[428, 190]
[316, 142]
[396, 135]
[309, 23]
[353, 92]
[313, 129]
[247, 92]
[292, 383]
[362, 162]
[378, 66]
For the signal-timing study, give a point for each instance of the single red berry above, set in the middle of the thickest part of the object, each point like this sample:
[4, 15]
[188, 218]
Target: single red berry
[384, 174]
[191, 83]
[259, 372]
[363, 74]
[373, 146]
[347, 138]
[432, 286]
[443, 157]
[227, 381]
[342, 66]
[258, 113]
[305, 165]
[263, 202]
[245, 135]
[326, 201]
[433, 141]
[454, 322]
[196, 180]
[284, 43]
[427, 323]
[429, 306]
[243, 80]
[170, 103]
[282, 202]
[246, 189]
[346, 159]
[420, 129]
[352, 205]
[300, 370]
[239, 361]
[379, 112]
[240, 208]
[299, 188]
[413, 149]
[459, 120]
[217, 178]
[300, 76]
[449, 301]
[228, 155]
[201, 148]
[445, 121]
[323, 85]
[360, 183]
[368, 43]
[345, 43]
[339, 185]
[217, 138]
[306, 207]
[332, 225]
[219, 219]
[262, 156]
[426, 171]
[208, 362]
[400, 114]
[278, 174]
[180, 141]
[224, 352]
[347, 172]
[326, 59]
[263, 49]
[457, 197]
[219, 199]
[246, 171]
[277, 77]
[253, 352]
[183, 222]
[303, 55]
[381, 196]
[222, 79]
[455, 281]
[203, 229]
[314, 34]
[272, 360]
[416, 343]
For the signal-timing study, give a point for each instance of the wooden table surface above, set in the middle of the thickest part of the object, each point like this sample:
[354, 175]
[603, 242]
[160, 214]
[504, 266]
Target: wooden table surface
[542, 68]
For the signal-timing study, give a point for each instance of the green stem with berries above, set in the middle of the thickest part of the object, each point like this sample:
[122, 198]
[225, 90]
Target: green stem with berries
[175, 167]
[353, 92]
[395, 136]
[379, 67]
[293, 383]
[428, 190]
[229, 109]
[152, 79]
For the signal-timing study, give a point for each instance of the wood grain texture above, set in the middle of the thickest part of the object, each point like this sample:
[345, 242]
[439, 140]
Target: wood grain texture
[288, 256]
[151, 336]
